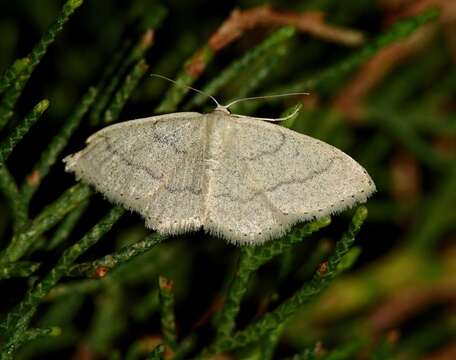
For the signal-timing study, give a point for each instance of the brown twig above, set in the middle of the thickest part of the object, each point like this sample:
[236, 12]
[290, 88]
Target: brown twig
[308, 22]
[241, 21]
[447, 16]
[447, 8]
[349, 99]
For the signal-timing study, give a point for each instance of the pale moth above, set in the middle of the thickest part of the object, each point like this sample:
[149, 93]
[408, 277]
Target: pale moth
[238, 177]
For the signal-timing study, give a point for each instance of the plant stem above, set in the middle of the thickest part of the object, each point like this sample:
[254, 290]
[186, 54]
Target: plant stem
[121, 97]
[50, 216]
[17, 321]
[13, 92]
[157, 353]
[13, 72]
[284, 311]
[251, 259]
[18, 269]
[232, 71]
[9, 189]
[8, 144]
[50, 155]
[113, 260]
[167, 318]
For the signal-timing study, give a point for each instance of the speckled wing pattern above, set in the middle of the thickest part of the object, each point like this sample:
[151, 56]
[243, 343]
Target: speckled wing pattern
[154, 166]
[266, 178]
[240, 178]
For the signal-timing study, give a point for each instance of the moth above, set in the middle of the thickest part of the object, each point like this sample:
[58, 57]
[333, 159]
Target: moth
[238, 177]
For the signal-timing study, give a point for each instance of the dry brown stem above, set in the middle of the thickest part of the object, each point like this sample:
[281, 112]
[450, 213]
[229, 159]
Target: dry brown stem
[312, 23]
[349, 100]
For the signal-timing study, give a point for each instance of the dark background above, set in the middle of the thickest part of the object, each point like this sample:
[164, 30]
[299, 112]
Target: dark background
[394, 114]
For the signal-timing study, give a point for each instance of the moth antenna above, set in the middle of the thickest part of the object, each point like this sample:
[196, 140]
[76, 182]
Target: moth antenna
[295, 111]
[273, 120]
[188, 87]
[265, 97]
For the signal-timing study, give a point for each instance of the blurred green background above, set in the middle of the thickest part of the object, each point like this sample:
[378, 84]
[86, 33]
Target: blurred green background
[386, 100]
